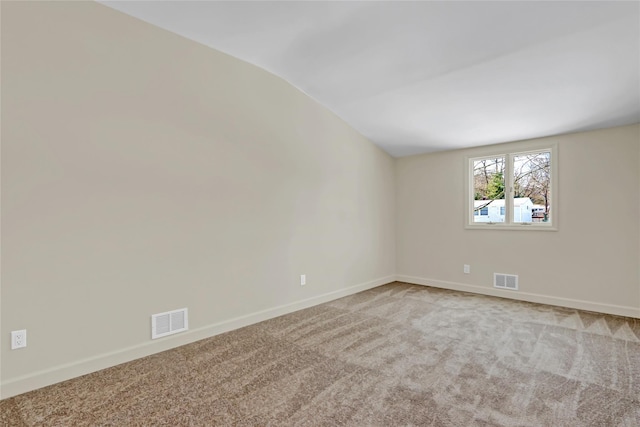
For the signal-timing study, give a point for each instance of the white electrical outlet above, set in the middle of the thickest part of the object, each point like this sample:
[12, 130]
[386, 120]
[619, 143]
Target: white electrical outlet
[467, 269]
[18, 339]
[303, 279]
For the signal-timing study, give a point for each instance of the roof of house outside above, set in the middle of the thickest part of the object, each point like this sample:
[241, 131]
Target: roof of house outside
[519, 201]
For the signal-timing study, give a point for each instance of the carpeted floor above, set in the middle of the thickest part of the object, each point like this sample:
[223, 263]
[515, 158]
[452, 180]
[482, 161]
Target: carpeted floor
[395, 355]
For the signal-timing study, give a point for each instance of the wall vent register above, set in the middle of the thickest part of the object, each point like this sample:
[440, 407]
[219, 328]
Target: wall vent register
[169, 323]
[505, 281]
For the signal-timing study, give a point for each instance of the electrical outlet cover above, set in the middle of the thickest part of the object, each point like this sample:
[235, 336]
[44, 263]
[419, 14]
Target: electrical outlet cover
[18, 339]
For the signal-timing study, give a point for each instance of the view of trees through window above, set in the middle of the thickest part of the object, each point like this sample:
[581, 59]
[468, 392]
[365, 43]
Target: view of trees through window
[488, 177]
[532, 179]
[531, 182]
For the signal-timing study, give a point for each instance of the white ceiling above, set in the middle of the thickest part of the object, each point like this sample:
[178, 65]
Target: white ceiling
[417, 77]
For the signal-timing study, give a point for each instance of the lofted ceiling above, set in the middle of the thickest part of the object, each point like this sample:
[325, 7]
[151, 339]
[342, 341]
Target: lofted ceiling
[418, 77]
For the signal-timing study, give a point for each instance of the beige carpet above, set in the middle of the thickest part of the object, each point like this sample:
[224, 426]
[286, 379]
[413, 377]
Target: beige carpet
[395, 355]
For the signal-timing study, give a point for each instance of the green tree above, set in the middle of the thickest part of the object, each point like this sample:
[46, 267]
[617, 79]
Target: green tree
[495, 188]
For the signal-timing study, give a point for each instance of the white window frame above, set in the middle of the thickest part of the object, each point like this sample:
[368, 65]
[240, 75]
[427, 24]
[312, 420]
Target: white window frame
[509, 154]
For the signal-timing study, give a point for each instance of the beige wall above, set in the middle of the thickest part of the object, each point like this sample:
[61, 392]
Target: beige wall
[142, 172]
[591, 262]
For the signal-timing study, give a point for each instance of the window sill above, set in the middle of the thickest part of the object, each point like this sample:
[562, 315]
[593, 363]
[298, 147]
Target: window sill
[511, 227]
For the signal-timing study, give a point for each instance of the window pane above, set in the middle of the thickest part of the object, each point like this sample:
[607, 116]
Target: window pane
[488, 189]
[532, 187]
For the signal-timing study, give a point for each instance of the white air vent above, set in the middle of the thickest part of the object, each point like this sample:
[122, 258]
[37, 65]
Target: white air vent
[171, 322]
[505, 281]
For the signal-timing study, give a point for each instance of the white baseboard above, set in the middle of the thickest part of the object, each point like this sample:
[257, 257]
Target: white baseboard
[77, 368]
[525, 296]
[74, 369]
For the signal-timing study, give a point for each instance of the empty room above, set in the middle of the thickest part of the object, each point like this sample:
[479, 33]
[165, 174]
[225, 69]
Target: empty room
[320, 213]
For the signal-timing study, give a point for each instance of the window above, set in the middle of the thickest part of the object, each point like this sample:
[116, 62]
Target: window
[513, 189]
